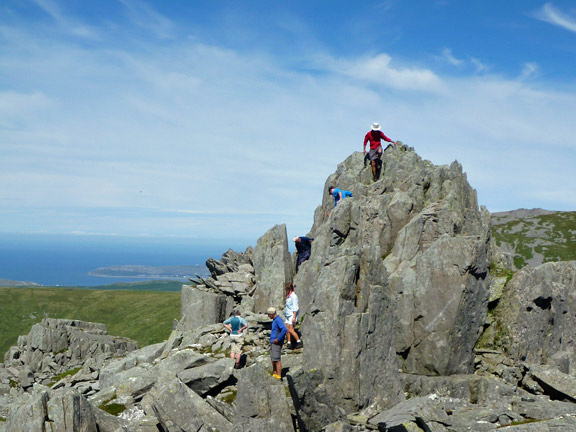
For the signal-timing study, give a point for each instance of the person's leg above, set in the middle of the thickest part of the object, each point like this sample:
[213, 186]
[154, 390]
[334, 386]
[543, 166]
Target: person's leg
[278, 368]
[378, 167]
[292, 335]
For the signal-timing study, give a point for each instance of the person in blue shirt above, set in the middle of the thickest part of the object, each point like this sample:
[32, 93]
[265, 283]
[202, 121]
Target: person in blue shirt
[236, 326]
[338, 194]
[276, 341]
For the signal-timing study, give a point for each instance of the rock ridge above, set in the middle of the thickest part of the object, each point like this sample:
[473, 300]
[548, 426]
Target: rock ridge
[406, 327]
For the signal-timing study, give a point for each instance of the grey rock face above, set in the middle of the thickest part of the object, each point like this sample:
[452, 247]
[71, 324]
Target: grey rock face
[200, 307]
[262, 404]
[180, 409]
[54, 346]
[535, 316]
[393, 300]
[397, 279]
[273, 266]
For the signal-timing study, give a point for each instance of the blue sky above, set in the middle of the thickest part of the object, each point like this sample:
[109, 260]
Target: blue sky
[218, 119]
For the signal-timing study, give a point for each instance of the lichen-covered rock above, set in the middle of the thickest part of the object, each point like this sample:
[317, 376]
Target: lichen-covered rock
[534, 319]
[273, 266]
[180, 409]
[200, 307]
[397, 279]
[261, 403]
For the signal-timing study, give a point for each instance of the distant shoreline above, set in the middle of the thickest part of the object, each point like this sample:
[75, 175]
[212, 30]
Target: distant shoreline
[149, 272]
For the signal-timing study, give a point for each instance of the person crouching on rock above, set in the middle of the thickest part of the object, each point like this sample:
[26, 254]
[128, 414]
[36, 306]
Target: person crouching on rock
[236, 326]
[276, 341]
[304, 249]
[292, 312]
[338, 194]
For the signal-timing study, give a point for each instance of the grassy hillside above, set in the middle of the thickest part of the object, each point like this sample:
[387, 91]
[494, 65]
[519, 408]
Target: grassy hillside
[144, 316]
[533, 240]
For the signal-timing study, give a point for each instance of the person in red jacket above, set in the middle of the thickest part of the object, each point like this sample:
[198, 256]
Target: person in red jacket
[375, 154]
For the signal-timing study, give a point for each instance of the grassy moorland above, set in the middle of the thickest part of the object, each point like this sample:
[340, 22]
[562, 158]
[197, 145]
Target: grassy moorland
[145, 316]
[538, 239]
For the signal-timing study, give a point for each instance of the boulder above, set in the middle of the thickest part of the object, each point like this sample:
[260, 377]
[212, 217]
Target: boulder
[534, 319]
[273, 267]
[200, 308]
[180, 409]
[261, 403]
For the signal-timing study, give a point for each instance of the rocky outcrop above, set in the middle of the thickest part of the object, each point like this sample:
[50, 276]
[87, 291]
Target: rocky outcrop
[397, 280]
[412, 320]
[273, 265]
[533, 320]
[56, 346]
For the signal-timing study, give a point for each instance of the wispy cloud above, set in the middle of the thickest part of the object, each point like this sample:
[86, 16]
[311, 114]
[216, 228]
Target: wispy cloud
[66, 23]
[193, 137]
[529, 69]
[146, 17]
[449, 58]
[550, 14]
[378, 69]
[479, 65]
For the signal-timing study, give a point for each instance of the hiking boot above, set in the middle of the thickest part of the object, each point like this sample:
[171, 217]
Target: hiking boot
[289, 345]
[277, 377]
[299, 344]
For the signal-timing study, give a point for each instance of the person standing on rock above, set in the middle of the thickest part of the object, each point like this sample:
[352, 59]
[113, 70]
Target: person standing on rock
[304, 249]
[276, 341]
[338, 194]
[291, 313]
[236, 326]
[375, 154]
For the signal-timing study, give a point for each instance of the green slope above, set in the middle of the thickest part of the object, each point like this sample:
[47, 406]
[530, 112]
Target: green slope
[144, 316]
[537, 239]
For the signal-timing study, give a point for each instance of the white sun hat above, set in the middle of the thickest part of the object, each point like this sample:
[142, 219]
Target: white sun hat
[375, 126]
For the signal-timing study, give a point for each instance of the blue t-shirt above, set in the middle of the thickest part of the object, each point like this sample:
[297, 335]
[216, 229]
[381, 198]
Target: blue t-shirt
[345, 194]
[236, 323]
[278, 330]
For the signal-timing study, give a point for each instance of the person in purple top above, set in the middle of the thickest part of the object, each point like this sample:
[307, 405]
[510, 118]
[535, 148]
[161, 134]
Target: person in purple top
[276, 341]
[304, 248]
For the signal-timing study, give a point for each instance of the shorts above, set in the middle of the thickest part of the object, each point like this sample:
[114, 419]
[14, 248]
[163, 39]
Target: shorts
[275, 352]
[376, 153]
[289, 318]
[236, 344]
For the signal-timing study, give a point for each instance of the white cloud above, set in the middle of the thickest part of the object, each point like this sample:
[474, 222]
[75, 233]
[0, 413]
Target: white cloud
[550, 14]
[66, 23]
[449, 58]
[194, 139]
[147, 18]
[378, 70]
[529, 69]
[480, 66]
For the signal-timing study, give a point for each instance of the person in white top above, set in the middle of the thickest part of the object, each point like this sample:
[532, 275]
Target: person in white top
[292, 312]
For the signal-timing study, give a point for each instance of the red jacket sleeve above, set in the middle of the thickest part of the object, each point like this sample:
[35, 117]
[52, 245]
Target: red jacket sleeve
[385, 137]
[366, 139]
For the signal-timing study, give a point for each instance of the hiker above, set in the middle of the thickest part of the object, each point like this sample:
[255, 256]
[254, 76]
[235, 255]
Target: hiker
[276, 341]
[375, 153]
[291, 313]
[236, 326]
[304, 248]
[338, 194]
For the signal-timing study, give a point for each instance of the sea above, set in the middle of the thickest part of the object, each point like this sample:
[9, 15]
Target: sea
[67, 260]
